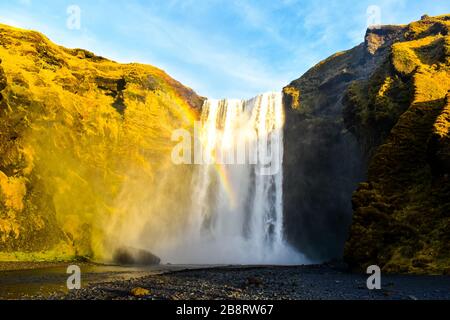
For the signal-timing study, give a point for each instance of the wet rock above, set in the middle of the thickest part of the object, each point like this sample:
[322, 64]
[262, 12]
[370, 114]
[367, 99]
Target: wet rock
[133, 256]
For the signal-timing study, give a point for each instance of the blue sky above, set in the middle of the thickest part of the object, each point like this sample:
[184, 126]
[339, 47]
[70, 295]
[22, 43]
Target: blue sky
[220, 48]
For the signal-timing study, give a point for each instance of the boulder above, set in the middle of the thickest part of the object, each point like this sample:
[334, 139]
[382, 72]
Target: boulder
[133, 256]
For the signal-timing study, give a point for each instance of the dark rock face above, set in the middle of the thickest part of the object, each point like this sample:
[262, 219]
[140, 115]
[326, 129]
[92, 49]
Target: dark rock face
[114, 88]
[133, 256]
[381, 38]
[317, 186]
[323, 162]
[3, 84]
[3, 80]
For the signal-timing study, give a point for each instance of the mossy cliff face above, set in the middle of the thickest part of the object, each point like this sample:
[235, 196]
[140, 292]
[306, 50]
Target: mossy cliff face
[83, 140]
[401, 116]
[377, 112]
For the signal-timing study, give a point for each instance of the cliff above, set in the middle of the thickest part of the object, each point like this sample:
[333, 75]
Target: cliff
[402, 213]
[323, 161]
[377, 112]
[82, 140]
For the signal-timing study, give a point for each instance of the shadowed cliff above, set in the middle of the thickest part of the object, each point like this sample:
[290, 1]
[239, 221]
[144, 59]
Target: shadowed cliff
[323, 161]
[377, 112]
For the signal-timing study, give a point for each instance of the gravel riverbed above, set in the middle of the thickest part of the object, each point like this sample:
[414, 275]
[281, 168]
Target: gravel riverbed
[224, 282]
[253, 283]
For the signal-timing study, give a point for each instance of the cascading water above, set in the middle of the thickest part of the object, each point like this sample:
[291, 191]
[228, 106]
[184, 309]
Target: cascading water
[236, 214]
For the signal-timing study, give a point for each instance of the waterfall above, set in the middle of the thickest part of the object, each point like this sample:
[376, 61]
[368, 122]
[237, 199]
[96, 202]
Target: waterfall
[237, 212]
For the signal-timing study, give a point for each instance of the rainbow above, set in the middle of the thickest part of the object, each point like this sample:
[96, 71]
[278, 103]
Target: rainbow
[225, 181]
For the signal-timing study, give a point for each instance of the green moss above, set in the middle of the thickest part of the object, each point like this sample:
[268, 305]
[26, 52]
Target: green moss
[60, 252]
[401, 216]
